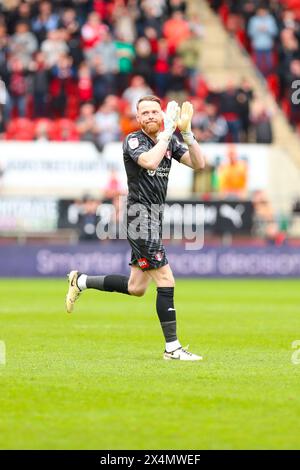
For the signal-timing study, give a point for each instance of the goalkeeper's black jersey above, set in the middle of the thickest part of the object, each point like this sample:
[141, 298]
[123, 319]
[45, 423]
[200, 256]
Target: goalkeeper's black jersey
[148, 186]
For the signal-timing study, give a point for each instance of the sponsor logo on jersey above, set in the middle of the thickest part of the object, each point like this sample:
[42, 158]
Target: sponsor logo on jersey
[143, 263]
[162, 172]
[133, 143]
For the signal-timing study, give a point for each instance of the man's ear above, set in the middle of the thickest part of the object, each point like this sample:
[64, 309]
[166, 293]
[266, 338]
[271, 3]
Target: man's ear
[137, 118]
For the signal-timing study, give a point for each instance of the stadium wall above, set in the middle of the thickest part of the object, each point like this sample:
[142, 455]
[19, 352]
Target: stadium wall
[113, 257]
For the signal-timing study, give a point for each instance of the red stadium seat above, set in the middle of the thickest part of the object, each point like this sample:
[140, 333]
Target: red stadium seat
[20, 129]
[64, 130]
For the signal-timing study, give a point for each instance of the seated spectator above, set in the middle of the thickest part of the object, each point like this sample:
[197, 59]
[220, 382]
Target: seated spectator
[88, 219]
[233, 176]
[137, 89]
[261, 122]
[86, 124]
[23, 43]
[244, 99]
[208, 127]
[263, 30]
[42, 132]
[108, 121]
[265, 224]
[229, 108]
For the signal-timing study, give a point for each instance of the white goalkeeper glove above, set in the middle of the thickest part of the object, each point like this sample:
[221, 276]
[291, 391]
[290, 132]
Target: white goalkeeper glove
[185, 122]
[170, 121]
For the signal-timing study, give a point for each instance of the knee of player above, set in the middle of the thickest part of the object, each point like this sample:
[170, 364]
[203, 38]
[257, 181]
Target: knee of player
[166, 281]
[136, 291]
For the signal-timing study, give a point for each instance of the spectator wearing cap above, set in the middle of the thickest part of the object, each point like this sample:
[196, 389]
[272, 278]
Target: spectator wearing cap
[263, 30]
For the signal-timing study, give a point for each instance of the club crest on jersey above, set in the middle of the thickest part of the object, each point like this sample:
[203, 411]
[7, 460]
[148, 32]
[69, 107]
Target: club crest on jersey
[143, 263]
[158, 256]
[168, 154]
[133, 143]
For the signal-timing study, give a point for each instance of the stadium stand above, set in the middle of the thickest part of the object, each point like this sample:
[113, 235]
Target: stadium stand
[57, 56]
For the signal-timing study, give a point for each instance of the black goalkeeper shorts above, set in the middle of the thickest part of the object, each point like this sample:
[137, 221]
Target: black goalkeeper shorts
[147, 254]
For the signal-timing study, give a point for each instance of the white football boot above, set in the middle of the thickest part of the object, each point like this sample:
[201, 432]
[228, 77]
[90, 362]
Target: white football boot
[73, 291]
[181, 354]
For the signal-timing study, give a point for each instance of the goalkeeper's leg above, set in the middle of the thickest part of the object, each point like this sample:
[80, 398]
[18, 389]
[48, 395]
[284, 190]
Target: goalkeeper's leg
[135, 285]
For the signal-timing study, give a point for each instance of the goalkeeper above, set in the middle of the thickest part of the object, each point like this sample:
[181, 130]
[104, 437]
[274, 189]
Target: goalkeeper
[148, 155]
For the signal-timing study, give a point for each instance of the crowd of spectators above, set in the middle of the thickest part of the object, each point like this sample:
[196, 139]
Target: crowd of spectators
[270, 31]
[74, 70]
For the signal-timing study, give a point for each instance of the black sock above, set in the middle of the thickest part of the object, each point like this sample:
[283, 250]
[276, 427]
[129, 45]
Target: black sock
[166, 312]
[110, 283]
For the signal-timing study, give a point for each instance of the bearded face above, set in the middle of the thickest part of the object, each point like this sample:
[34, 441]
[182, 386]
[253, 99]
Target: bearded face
[150, 117]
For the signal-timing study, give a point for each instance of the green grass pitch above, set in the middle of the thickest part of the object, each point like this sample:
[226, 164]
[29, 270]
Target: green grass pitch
[96, 379]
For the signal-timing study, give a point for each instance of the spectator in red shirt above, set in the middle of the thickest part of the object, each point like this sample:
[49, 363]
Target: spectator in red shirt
[85, 83]
[162, 68]
[92, 31]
